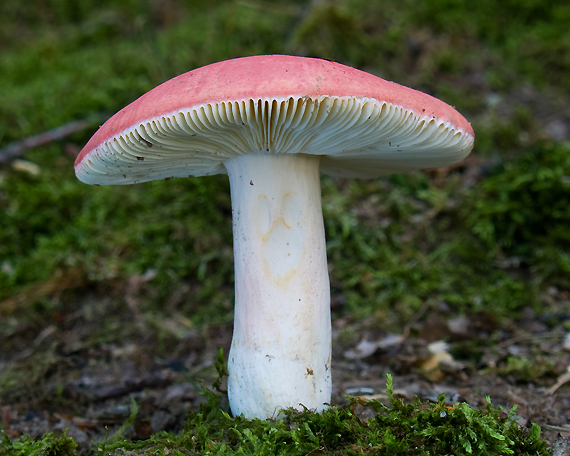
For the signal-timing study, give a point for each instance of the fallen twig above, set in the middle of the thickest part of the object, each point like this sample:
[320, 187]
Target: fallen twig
[19, 148]
[564, 378]
[150, 381]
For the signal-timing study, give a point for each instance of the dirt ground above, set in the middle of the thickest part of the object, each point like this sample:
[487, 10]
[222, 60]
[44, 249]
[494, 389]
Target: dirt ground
[63, 379]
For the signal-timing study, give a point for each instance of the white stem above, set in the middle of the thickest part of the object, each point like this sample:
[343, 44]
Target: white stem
[281, 349]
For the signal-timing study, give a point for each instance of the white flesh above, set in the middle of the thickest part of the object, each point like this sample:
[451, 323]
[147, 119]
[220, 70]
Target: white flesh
[281, 349]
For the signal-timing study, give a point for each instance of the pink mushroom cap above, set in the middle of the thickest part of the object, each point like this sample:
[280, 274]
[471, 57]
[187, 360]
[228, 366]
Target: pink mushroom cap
[269, 77]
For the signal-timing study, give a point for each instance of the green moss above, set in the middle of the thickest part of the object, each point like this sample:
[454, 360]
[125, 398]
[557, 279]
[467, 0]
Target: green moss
[48, 445]
[411, 248]
[518, 32]
[330, 31]
[528, 370]
[521, 209]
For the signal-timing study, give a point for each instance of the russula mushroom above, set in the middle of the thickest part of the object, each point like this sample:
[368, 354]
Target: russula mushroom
[272, 123]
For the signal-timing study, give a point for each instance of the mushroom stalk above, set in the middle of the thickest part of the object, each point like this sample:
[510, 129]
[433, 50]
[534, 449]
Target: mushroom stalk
[281, 349]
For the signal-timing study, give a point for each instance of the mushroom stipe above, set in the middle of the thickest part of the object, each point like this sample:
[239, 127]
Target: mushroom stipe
[273, 123]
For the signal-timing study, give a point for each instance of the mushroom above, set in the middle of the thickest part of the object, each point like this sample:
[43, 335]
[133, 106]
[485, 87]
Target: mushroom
[272, 123]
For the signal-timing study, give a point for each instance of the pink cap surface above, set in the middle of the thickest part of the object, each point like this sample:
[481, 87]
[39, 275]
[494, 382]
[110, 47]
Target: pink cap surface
[268, 77]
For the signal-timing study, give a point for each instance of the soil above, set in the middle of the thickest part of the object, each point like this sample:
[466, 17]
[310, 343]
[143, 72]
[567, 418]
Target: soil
[70, 381]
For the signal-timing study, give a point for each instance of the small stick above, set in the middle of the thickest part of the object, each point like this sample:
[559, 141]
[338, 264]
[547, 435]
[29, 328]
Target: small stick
[19, 148]
[564, 378]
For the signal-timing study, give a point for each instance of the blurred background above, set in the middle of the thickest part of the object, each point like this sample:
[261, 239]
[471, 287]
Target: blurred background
[103, 287]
